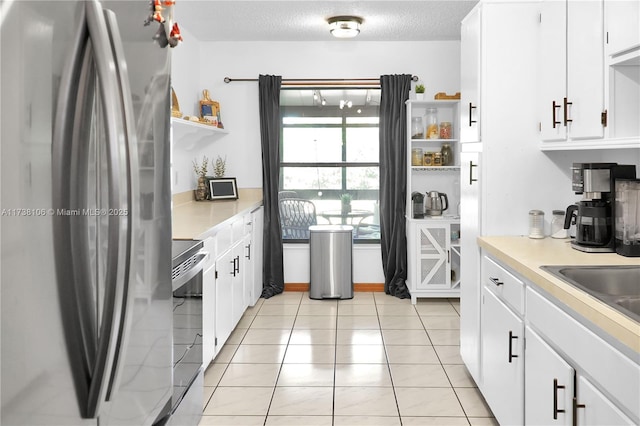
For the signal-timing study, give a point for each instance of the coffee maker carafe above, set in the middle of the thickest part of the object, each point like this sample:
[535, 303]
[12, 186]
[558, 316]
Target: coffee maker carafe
[593, 215]
[627, 217]
[436, 202]
[418, 205]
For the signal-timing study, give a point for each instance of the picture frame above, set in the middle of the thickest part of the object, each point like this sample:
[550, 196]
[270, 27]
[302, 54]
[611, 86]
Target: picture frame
[210, 112]
[222, 188]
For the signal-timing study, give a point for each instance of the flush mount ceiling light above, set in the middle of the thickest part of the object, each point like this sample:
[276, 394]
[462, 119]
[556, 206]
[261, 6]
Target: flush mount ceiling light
[344, 26]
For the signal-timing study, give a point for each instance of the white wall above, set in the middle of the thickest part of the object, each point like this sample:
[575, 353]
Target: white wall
[203, 65]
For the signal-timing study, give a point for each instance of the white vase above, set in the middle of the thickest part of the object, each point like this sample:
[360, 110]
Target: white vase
[419, 96]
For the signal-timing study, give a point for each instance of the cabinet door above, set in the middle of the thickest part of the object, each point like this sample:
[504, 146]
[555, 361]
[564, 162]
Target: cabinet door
[502, 360]
[434, 256]
[470, 267]
[208, 315]
[585, 69]
[238, 297]
[470, 48]
[548, 384]
[224, 298]
[598, 410]
[621, 25]
[256, 253]
[552, 69]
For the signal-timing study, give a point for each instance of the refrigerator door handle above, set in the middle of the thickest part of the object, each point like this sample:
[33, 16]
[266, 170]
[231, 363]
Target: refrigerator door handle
[129, 161]
[122, 165]
[78, 326]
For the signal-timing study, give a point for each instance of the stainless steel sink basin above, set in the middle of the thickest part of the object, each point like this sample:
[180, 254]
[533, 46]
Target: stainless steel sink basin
[610, 280]
[631, 304]
[617, 286]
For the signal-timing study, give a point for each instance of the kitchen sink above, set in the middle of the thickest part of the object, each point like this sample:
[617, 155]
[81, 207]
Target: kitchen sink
[617, 286]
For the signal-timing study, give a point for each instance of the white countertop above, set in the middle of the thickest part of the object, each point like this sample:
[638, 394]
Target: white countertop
[196, 220]
[526, 255]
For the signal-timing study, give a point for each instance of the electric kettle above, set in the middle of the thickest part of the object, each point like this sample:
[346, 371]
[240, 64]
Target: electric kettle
[435, 203]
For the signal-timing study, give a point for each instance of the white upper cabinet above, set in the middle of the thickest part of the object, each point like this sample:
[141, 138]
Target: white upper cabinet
[571, 70]
[621, 27]
[470, 77]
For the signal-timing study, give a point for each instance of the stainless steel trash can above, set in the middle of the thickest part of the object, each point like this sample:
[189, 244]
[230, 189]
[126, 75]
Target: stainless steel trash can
[331, 252]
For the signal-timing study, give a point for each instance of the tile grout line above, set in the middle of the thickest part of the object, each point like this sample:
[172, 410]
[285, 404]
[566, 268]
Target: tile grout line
[275, 384]
[384, 348]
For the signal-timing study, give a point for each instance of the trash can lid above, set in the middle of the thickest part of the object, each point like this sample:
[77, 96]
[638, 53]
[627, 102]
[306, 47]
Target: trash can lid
[331, 228]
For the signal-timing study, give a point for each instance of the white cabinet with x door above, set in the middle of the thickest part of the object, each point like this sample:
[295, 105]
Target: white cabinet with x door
[433, 258]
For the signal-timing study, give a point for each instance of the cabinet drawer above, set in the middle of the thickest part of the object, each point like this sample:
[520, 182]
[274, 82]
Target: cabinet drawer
[237, 229]
[505, 285]
[248, 223]
[223, 239]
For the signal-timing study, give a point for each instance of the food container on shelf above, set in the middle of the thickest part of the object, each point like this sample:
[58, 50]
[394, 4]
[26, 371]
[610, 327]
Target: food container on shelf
[447, 155]
[427, 159]
[445, 130]
[432, 124]
[437, 159]
[417, 128]
[416, 156]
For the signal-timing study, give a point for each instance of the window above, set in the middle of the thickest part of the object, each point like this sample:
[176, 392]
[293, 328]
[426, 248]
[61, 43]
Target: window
[330, 155]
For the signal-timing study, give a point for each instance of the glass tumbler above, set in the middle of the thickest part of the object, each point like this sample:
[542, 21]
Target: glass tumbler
[417, 128]
[557, 225]
[536, 224]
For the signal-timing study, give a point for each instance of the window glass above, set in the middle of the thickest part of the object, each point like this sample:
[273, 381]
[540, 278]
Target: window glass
[330, 159]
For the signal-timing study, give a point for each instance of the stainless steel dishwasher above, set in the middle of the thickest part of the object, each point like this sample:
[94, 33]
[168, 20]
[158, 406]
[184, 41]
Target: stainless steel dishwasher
[187, 264]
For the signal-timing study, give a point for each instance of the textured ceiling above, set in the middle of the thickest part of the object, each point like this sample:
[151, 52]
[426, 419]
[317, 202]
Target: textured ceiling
[213, 20]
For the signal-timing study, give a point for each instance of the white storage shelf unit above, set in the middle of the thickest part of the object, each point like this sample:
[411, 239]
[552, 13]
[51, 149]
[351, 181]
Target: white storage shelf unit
[433, 246]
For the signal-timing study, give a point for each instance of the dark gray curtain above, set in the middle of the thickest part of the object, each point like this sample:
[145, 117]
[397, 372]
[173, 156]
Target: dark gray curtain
[269, 99]
[393, 182]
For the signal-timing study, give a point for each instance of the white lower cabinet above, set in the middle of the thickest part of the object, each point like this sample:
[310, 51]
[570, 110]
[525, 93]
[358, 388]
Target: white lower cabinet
[548, 384]
[543, 365]
[502, 359]
[595, 409]
[555, 394]
[238, 299]
[433, 258]
[224, 274]
[253, 255]
[232, 278]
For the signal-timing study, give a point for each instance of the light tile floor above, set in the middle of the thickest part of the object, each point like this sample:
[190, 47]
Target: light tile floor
[372, 360]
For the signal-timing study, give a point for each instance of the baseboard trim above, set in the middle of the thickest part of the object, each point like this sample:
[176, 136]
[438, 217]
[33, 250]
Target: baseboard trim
[378, 287]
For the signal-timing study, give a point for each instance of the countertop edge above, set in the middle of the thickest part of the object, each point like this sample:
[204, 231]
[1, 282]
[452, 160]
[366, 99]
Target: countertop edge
[609, 320]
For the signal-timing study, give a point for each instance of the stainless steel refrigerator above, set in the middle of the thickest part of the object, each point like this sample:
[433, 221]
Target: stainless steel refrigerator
[85, 294]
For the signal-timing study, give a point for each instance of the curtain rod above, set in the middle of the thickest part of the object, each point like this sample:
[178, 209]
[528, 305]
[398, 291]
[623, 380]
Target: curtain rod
[321, 81]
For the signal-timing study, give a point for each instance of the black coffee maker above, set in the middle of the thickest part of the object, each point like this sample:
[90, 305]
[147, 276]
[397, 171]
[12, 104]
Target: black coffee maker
[418, 204]
[593, 215]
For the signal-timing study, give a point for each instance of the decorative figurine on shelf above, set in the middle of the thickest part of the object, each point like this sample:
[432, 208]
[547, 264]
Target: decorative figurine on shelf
[220, 167]
[345, 199]
[201, 192]
[175, 36]
[168, 33]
